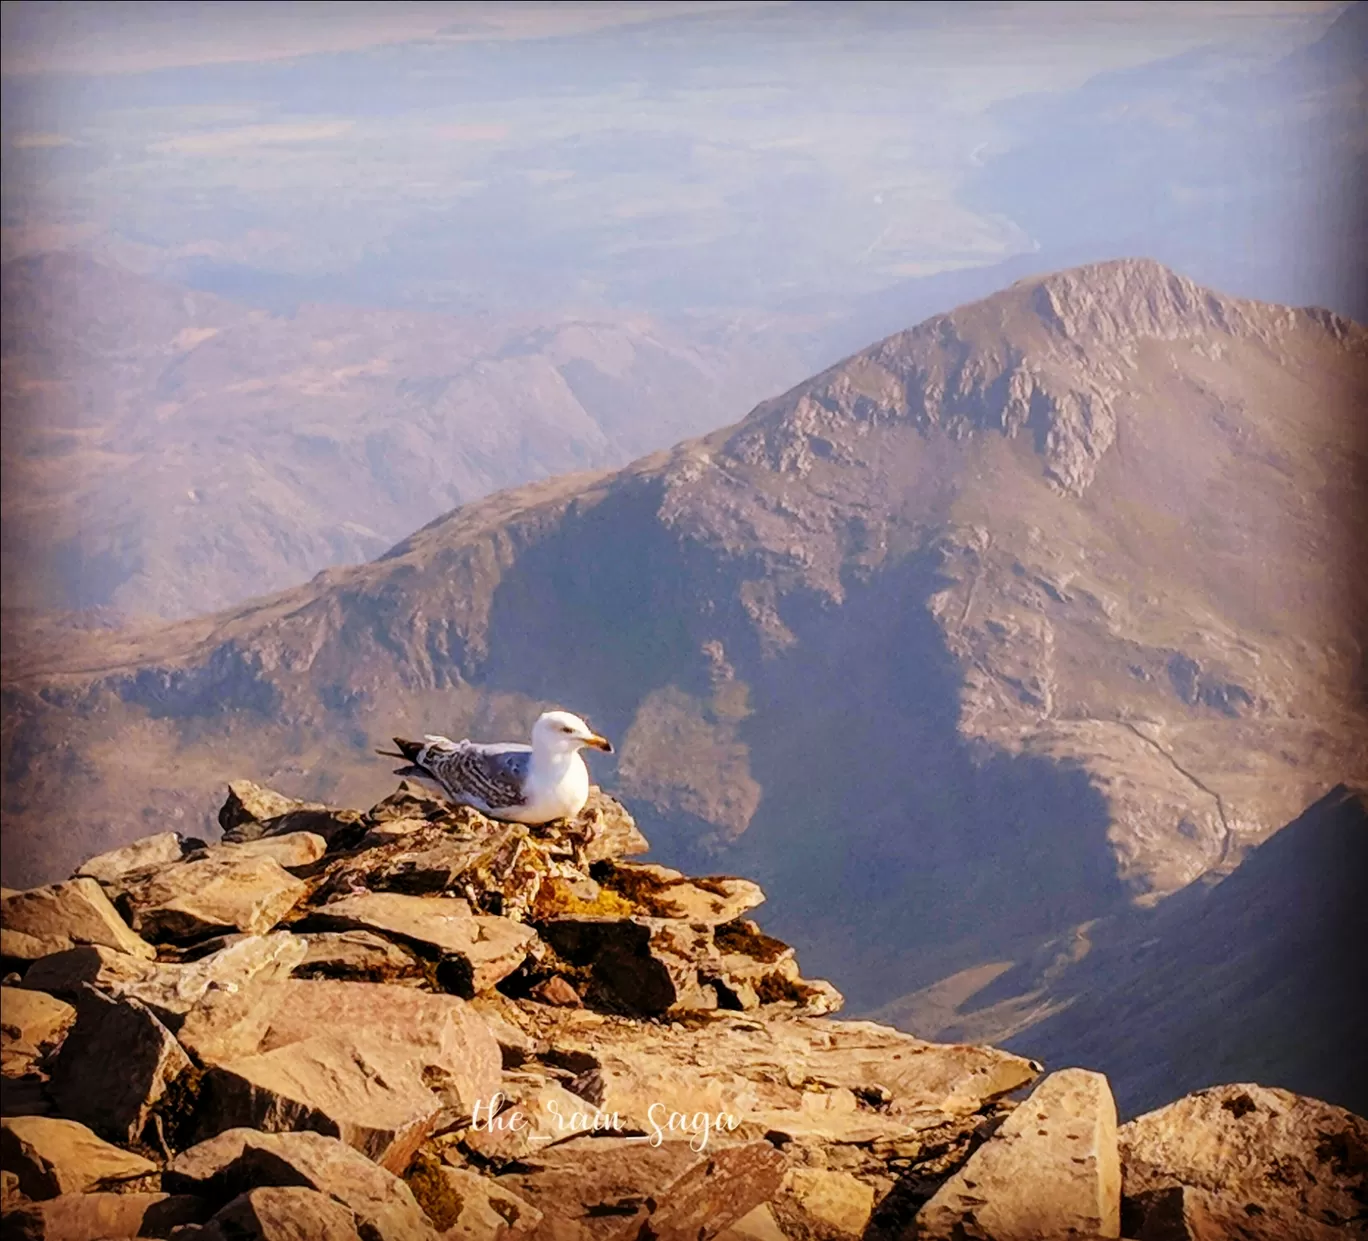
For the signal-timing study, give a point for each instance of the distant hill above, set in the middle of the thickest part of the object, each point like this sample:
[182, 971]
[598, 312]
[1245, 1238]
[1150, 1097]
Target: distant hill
[171, 452]
[1034, 610]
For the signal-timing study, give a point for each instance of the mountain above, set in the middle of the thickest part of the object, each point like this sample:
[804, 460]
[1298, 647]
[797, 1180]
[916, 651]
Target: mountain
[171, 452]
[1254, 976]
[1034, 611]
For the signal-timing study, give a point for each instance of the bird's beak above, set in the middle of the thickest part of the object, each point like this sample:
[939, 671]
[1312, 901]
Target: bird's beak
[600, 743]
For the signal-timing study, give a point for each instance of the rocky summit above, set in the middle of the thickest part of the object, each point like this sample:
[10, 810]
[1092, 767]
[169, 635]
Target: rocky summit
[415, 1022]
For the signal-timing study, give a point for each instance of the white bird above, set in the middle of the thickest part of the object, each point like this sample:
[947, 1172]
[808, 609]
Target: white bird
[518, 783]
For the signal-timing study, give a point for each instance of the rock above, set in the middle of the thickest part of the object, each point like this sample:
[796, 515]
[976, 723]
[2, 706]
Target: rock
[1051, 1170]
[1260, 1146]
[1182, 1213]
[357, 956]
[213, 894]
[147, 853]
[613, 1189]
[643, 966]
[466, 1206]
[51, 1157]
[65, 973]
[32, 1027]
[297, 848]
[241, 1159]
[114, 1066]
[250, 805]
[539, 1114]
[101, 1217]
[556, 991]
[253, 812]
[24, 1096]
[756, 1225]
[171, 991]
[659, 892]
[341, 1084]
[450, 1045]
[9, 1190]
[608, 830]
[480, 951]
[283, 1214]
[65, 915]
[820, 1204]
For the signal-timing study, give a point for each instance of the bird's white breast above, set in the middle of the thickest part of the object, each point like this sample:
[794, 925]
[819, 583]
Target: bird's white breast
[557, 792]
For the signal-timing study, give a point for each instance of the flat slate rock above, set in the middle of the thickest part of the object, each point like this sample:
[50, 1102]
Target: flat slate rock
[368, 1094]
[489, 948]
[32, 1027]
[52, 1157]
[452, 1045]
[237, 1160]
[1051, 1170]
[101, 1217]
[51, 919]
[148, 853]
[202, 897]
[281, 1213]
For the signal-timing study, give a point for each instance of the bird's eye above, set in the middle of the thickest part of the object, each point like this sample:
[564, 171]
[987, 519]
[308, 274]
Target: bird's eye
[565, 728]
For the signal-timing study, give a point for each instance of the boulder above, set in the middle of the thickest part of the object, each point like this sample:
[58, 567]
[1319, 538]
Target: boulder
[253, 812]
[297, 848]
[50, 1157]
[356, 956]
[1182, 1213]
[1266, 1149]
[282, 1214]
[148, 853]
[659, 892]
[341, 1084]
[24, 1096]
[555, 990]
[66, 973]
[171, 991]
[114, 1066]
[466, 1206]
[61, 916]
[642, 966]
[480, 951]
[823, 1204]
[32, 1027]
[101, 1217]
[607, 829]
[1051, 1170]
[616, 1189]
[449, 1044]
[212, 894]
[241, 1159]
[539, 1113]
[250, 805]
[756, 1225]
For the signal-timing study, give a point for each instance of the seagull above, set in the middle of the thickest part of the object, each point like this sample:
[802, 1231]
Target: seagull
[518, 783]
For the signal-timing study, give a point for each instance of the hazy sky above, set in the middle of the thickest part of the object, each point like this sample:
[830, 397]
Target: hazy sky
[661, 156]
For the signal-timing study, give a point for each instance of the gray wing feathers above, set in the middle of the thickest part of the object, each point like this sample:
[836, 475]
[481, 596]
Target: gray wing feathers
[495, 776]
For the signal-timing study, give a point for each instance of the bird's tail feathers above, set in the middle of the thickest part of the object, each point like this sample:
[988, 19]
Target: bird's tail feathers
[407, 750]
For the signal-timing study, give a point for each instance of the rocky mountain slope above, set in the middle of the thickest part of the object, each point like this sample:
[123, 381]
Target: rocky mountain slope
[413, 1022]
[172, 452]
[1032, 611]
[1255, 976]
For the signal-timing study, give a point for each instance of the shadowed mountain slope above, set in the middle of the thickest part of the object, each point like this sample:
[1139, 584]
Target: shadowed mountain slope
[1259, 976]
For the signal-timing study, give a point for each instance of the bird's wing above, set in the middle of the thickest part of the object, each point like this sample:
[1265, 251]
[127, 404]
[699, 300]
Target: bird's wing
[495, 775]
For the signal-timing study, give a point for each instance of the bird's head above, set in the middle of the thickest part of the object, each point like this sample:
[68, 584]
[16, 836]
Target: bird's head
[560, 730]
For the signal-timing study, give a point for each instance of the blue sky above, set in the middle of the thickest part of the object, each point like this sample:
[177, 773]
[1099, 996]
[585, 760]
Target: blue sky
[662, 157]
